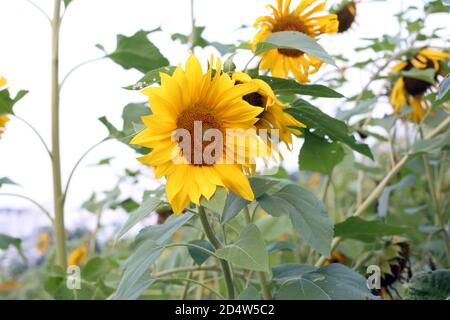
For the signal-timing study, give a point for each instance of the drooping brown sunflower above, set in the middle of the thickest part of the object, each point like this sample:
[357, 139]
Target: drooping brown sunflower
[410, 91]
[308, 17]
[346, 14]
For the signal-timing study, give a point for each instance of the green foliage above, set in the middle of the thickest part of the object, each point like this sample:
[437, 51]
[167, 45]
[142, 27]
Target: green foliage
[432, 285]
[7, 102]
[198, 255]
[287, 86]
[137, 52]
[6, 180]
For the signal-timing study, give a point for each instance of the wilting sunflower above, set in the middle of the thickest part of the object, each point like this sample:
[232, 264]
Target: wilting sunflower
[273, 115]
[308, 17]
[410, 91]
[78, 255]
[182, 101]
[346, 14]
[3, 118]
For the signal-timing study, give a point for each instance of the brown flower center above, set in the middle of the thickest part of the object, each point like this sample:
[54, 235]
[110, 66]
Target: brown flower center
[290, 23]
[346, 17]
[193, 119]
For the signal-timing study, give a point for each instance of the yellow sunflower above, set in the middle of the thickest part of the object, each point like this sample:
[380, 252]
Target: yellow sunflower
[273, 116]
[78, 255]
[183, 100]
[410, 91]
[3, 118]
[346, 14]
[308, 18]
[43, 242]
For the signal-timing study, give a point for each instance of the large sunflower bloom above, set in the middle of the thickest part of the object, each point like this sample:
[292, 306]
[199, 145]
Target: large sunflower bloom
[186, 97]
[307, 18]
[410, 91]
[3, 118]
[273, 115]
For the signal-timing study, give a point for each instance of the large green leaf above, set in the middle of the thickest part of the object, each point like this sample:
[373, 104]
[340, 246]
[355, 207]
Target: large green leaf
[198, 255]
[366, 231]
[432, 285]
[307, 213]
[249, 293]
[333, 282]
[383, 201]
[294, 40]
[149, 246]
[433, 145]
[148, 206]
[324, 125]
[288, 271]
[234, 204]
[138, 52]
[288, 86]
[319, 155]
[248, 252]
[7, 102]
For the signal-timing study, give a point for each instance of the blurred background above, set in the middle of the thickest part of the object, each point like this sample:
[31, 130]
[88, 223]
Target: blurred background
[96, 89]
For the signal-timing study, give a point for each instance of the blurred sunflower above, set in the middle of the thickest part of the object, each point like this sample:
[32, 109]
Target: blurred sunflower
[410, 91]
[78, 255]
[184, 99]
[3, 118]
[336, 257]
[346, 14]
[273, 115]
[308, 18]
[43, 242]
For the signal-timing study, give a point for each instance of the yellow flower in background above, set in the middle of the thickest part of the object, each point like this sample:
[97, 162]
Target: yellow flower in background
[410, 91]
[346, 14]
[43, 242]
[273, 115]
[183, 100]
[78, 255]
[308, 17]
[3, 118]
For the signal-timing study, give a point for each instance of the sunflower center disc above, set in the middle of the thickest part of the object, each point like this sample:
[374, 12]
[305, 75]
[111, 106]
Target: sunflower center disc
[255, 99]
[346, 17]
[188, 120]
[290, 23]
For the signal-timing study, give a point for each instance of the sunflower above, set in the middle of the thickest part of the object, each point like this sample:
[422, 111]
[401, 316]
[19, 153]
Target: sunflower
[346, 13]
[78, 255]
[307, 18]
[184, 100]
[43, 242]
[273, 115]
[3, 118]
[410, 91]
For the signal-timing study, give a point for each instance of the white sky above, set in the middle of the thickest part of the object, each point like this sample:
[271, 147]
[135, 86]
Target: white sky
[95, 89]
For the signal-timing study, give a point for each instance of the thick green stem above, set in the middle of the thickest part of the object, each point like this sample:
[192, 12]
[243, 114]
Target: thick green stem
[261, 275]
[440, 217]
[59, 229]
[217, 245]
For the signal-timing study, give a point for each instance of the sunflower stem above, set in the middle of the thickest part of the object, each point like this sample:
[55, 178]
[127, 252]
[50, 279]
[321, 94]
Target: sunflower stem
[217, 245]
[261, 275]
[59, 228]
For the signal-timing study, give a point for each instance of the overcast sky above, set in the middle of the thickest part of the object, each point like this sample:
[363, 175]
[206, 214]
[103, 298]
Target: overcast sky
[95, 89]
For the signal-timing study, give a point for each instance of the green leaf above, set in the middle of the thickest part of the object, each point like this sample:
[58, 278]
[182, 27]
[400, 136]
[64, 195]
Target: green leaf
[151, 77]
[249, 252]
[333, 282]
[137, 52]
[198, 255]
[217, 201]
[362, 107]
[324, 125]
[282, 246]
[294, 40]
[7, 102]
[148, 206]
[366, 231]
[444, 90]
[319, 155]
[67, 2]
[6, 180]
[288, 86]
[249, 293]
[272, 227]
[426, 75]
[288, 271]
[307, 213]
[383, 201]
[96, 269]
[433, 145]
[432, 285]
[234, 204]
[6, 241]
[149, 246]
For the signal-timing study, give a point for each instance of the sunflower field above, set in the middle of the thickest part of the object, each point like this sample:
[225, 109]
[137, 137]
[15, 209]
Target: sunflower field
[238, 150]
